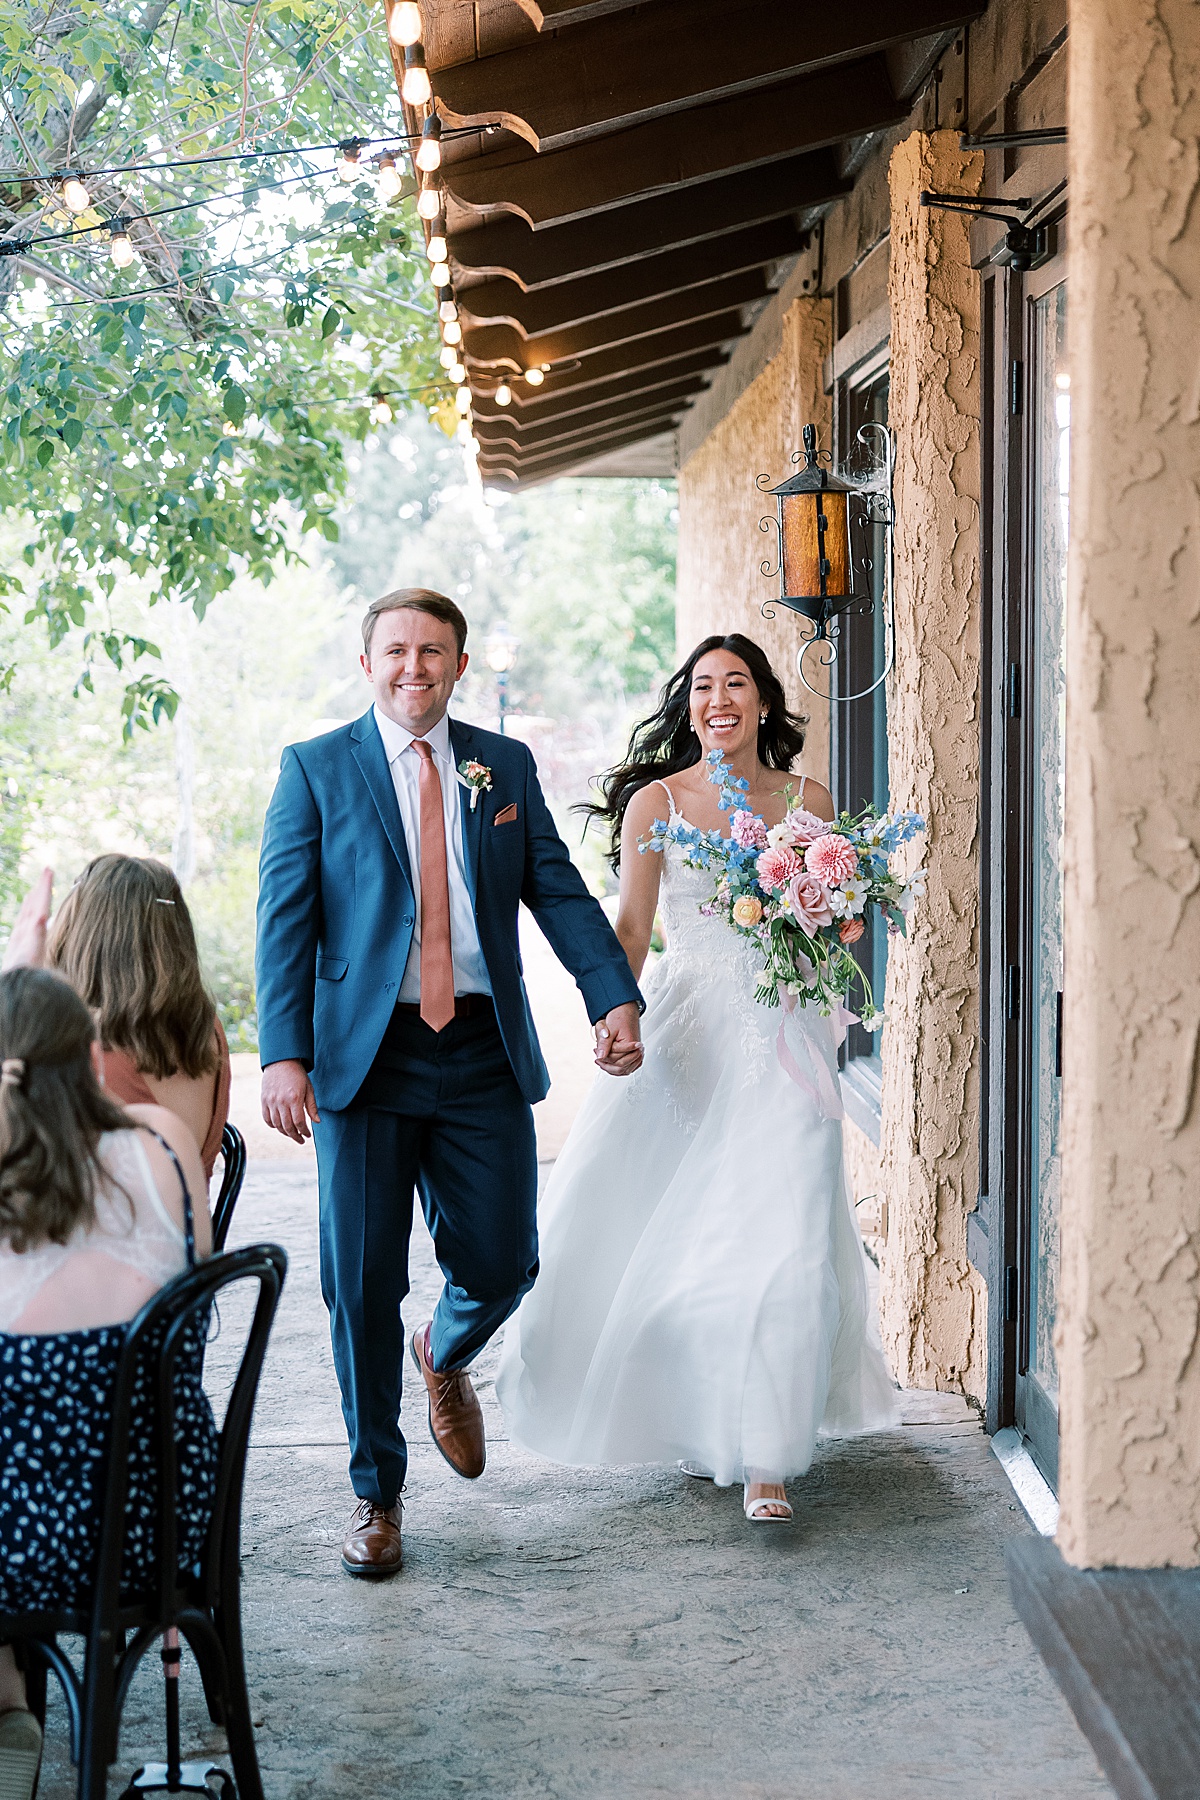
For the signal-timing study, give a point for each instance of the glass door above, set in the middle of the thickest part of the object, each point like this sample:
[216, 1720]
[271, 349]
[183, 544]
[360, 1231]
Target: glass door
[1040, 975]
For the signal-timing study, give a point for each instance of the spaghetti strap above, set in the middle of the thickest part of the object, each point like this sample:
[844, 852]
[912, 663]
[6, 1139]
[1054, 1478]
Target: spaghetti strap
[800, 795]
[675, 812]
[189, 1224]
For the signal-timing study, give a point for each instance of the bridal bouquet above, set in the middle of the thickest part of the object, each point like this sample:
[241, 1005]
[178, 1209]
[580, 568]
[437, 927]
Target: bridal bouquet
[802, 890]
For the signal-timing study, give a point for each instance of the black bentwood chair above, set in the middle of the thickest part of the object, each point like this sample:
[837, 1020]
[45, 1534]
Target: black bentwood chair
[233, 1154]
[206, 1609]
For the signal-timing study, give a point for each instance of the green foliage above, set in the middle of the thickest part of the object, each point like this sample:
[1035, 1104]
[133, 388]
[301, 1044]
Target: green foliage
[183, 420]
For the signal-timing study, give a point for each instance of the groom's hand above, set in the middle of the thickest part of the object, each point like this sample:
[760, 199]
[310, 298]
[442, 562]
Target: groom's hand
[288, 1101]
[619, 1041]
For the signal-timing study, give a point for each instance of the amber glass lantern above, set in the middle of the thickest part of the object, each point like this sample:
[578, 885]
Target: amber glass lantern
[818, 514]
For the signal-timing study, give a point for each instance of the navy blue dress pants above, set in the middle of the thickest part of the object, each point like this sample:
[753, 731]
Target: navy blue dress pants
[440, 1112]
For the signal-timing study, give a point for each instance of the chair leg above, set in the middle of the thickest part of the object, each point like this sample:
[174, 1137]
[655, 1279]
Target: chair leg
[98, 1737]
[239, 1730]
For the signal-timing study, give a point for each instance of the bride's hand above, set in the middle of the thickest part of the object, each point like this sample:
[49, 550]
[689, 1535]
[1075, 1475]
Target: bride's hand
[26, 947]
[619, 1041]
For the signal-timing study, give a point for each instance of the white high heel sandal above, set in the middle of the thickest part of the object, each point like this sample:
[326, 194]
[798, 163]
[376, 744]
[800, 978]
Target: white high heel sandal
[757, 1515]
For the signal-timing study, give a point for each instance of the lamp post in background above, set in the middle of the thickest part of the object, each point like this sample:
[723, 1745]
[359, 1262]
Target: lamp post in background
[500, 650]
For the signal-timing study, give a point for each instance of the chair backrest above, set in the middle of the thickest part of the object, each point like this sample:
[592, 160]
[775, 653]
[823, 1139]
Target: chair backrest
[233, 1153]
[159, 1337]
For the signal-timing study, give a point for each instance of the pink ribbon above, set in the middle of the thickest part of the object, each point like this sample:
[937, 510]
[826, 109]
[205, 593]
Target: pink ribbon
[822, 1087]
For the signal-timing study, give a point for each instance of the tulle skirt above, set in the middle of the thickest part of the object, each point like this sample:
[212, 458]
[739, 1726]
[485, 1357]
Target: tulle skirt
[702, 1293]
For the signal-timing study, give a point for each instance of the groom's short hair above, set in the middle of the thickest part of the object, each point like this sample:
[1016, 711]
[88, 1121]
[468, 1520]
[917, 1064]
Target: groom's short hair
[416, 600]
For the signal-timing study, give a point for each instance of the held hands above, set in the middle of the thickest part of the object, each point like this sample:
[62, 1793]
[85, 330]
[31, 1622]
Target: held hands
[619, 1041]
[288, 1101]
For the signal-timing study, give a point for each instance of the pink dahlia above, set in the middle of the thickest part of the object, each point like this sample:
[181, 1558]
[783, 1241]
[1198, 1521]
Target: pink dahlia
[810, 903]
[804, 828]
[776, 868]
[831, 859]
[748, 830]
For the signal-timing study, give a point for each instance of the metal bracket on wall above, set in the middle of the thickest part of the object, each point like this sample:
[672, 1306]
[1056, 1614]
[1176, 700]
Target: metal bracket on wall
[1025, 246]
[1013, 140]
[808, 266]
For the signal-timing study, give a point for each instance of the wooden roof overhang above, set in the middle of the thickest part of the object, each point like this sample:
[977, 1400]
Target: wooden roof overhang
[628, 183]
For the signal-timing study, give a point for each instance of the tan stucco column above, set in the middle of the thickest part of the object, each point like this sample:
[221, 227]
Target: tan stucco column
[932, 1301]
[720, 587]
[1129, 1320]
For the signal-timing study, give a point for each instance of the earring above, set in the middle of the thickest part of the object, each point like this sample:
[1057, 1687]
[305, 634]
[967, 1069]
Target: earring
[762, 718]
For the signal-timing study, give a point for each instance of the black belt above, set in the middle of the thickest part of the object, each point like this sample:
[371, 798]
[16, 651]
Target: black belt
[466, 1006]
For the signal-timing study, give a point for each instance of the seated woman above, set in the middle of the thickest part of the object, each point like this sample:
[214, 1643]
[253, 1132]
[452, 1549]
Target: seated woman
[99, 1208]
[123, 938]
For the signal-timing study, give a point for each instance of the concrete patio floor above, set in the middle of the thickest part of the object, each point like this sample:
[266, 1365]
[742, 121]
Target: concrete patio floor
[562, 1633]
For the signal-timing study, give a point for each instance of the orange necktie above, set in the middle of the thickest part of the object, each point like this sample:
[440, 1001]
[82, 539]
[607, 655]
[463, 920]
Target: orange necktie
[437, 963]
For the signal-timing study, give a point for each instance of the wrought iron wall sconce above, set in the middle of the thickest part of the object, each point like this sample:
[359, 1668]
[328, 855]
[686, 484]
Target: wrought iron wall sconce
[819, 575]
[1025, 246]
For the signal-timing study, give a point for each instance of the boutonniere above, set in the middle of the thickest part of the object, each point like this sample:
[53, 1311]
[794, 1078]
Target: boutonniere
[476, 777]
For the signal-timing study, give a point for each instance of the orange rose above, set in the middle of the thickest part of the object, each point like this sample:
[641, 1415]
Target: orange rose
[747, 911]
[850, 930]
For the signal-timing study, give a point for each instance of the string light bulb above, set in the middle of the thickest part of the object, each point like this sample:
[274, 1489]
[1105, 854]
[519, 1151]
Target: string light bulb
[429, 151]
[76, 198]
[452, 331]
[390, 184]
[462, 399]
[381, 411]
[348, 166]
[120, 248]
[429, 202]
[448, 313]
[437, 250]
[404, 26]
[415, 89]
[457, 371]
[535, 377]
[447, 357]
[439, 274]
[464, 434]
[503, 395]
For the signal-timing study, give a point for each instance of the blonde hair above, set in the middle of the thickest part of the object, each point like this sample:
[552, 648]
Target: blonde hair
[123, 938]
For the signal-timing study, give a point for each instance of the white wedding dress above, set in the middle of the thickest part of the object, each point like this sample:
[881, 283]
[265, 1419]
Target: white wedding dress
[702, 1293]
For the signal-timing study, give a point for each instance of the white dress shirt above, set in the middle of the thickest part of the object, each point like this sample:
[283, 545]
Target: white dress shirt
[470, 970]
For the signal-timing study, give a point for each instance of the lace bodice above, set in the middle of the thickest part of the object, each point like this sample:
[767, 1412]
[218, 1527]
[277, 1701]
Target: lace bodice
[132, 1226]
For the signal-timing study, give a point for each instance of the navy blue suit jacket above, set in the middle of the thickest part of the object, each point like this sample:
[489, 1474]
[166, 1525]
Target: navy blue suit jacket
[336, 908]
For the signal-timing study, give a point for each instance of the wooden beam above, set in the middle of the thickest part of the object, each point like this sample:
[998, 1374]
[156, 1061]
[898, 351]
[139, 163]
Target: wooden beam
[580, 443]
[615, 239]
[551, 15]
[653, 278]
[506, 425]
[612, 73]
[664, 348]
[569, 458]
[499, 346]
[683, 148]
[588, 405]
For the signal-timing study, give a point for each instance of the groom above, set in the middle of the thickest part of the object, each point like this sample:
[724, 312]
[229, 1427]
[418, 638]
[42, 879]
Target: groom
[393, 1014]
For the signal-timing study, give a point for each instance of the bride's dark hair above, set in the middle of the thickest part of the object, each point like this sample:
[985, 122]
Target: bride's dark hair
[665, 742]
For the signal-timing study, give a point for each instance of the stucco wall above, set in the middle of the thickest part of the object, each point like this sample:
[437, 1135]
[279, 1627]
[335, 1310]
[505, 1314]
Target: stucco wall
[1129, 1314]
[720, 545]
[932, 1300]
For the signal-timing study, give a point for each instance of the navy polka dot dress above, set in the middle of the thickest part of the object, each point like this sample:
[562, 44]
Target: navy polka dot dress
[55, 1417]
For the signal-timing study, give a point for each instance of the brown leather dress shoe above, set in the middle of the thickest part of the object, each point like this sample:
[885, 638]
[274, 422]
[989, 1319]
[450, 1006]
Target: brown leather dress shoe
[372, 1546]
[455, 1419]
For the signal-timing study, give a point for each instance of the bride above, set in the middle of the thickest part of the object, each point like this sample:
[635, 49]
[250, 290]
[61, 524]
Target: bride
[702, 1295]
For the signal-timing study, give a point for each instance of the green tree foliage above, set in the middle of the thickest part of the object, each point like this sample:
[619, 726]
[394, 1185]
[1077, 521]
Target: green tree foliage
[583, 571]
[185, 419]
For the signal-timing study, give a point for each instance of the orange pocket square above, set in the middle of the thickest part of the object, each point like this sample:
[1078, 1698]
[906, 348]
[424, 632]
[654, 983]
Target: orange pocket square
[506, 815]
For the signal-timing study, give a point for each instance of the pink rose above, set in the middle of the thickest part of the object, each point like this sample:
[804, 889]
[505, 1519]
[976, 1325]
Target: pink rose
[748, 830]
[831, 859]
[810, 903]
[776, 868]
[804, 827]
